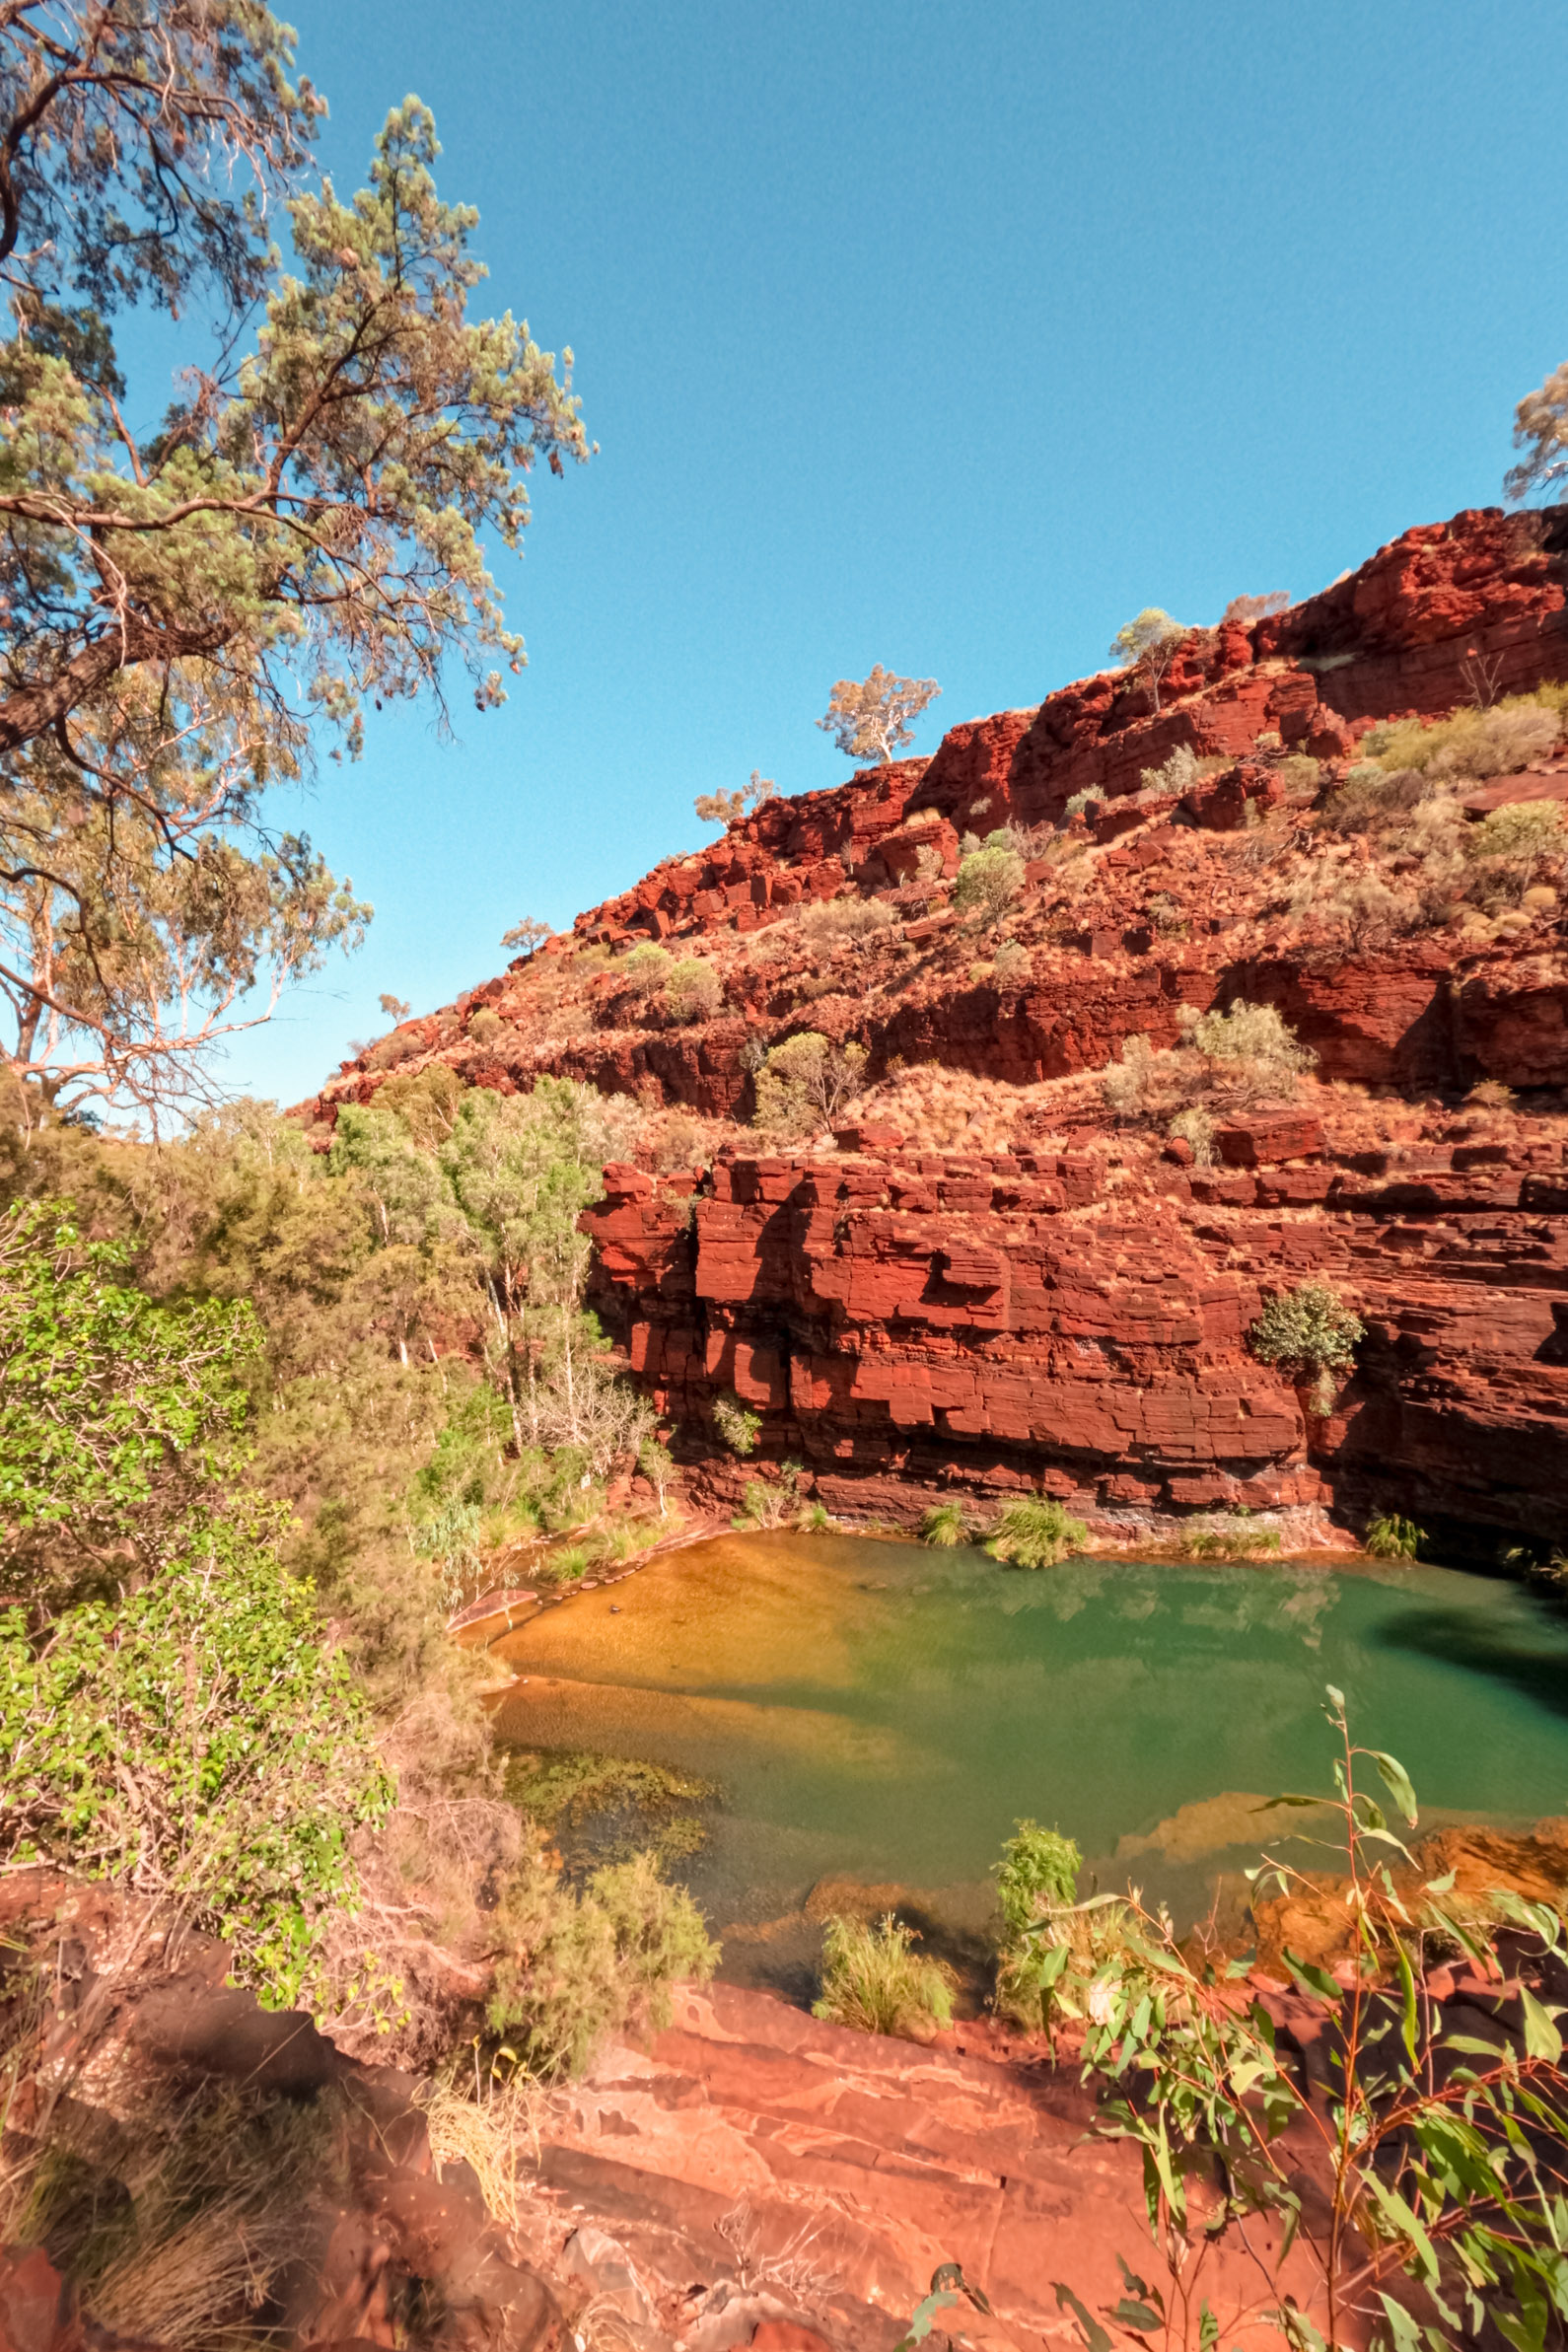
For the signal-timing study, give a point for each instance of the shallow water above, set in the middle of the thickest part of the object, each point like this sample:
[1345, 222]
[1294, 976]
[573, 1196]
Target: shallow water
[884, 1712]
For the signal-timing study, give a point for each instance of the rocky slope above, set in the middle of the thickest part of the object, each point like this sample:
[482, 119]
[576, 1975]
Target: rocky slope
[992, 1280]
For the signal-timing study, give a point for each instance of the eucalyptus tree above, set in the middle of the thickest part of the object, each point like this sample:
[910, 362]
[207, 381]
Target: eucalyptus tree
[184, 613]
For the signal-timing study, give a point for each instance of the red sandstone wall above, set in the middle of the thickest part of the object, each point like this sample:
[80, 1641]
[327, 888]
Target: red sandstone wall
[908, 1322]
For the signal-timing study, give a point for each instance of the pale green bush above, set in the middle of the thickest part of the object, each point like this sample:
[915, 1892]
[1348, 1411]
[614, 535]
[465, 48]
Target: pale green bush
[693, 990]
[647, 967]
[579, 1968]
[989, 880]
[1195, 1127]
[737, 1425]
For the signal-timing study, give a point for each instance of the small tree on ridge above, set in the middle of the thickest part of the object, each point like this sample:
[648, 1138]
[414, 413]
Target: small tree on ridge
[871, 721]
[1146, 647]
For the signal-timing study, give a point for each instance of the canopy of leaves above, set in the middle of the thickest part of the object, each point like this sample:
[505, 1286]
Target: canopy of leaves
[806, 1082]
[184, 609]
[725, 808]
[870, 720]
[1540, 430]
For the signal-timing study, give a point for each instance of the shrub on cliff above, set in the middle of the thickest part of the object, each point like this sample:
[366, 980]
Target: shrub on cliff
[1471, 745]
[1034, 1531]
[874, 1980]
[989, 880]
[832, 920]
[807, 1083]
[737, 1424]
[871, 721]
[693, 990]
[1308, 1331]
[1254, 1036]
[647, 967]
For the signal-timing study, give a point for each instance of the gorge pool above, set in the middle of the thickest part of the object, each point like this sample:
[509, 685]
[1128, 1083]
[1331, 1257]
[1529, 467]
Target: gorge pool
[882, 1712]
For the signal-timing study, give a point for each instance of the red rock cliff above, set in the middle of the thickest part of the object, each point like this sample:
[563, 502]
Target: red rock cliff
[1046, 1301]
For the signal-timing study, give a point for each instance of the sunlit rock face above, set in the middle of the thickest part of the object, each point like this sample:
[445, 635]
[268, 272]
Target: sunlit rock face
[990, 1279]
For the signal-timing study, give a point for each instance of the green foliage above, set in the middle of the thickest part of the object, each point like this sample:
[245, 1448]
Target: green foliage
[874, 1980]
[1526, 829]
[576, 1970]
[1471, 745]
[200, 1743]
[1146, 647]
[766, 1505]
[693, 990]
[1257, 1034]
[114, 1413]
[989, 880]
[727, 808]
[305, 526]
[1011, 964]
[807, 1083]
[1039, 1867]
[738, 1426]
[1390, 1537]
[658, 1466]
[947, 1527]
[647, 967]
[1036, 1879]
[1034, 1531]
[1309, 1329]
[1437, 2152]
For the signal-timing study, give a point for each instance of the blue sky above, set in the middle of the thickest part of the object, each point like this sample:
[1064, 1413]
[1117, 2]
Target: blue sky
[945, 338]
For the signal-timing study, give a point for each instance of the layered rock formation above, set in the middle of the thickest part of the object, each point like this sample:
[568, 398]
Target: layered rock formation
[1049, 1298]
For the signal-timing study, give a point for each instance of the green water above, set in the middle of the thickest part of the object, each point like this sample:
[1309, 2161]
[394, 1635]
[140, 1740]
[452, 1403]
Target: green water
[884, 1713]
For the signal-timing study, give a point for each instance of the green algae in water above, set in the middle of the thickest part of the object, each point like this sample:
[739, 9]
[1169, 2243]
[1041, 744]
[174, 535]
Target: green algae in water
[886, 1713]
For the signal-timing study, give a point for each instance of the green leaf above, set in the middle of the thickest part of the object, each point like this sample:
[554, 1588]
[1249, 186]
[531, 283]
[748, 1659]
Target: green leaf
[1408, 1991]
[1542, 2037]
[1137, 2286]
[1094, 2336]
[925, 2314]
[1312, 1979]
[1398, 1782]
[1137, 2314]
[1407, 2335]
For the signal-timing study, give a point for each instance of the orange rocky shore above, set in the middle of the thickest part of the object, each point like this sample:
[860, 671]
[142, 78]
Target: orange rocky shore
[988, 1282]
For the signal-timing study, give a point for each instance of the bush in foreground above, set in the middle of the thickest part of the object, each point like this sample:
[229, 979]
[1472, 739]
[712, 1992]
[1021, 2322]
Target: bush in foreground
[874, 1980]
[580, 1968]
[946, 1526]
[202, 1744]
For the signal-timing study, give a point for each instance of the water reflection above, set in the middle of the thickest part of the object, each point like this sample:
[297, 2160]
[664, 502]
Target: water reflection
[887, 1713]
